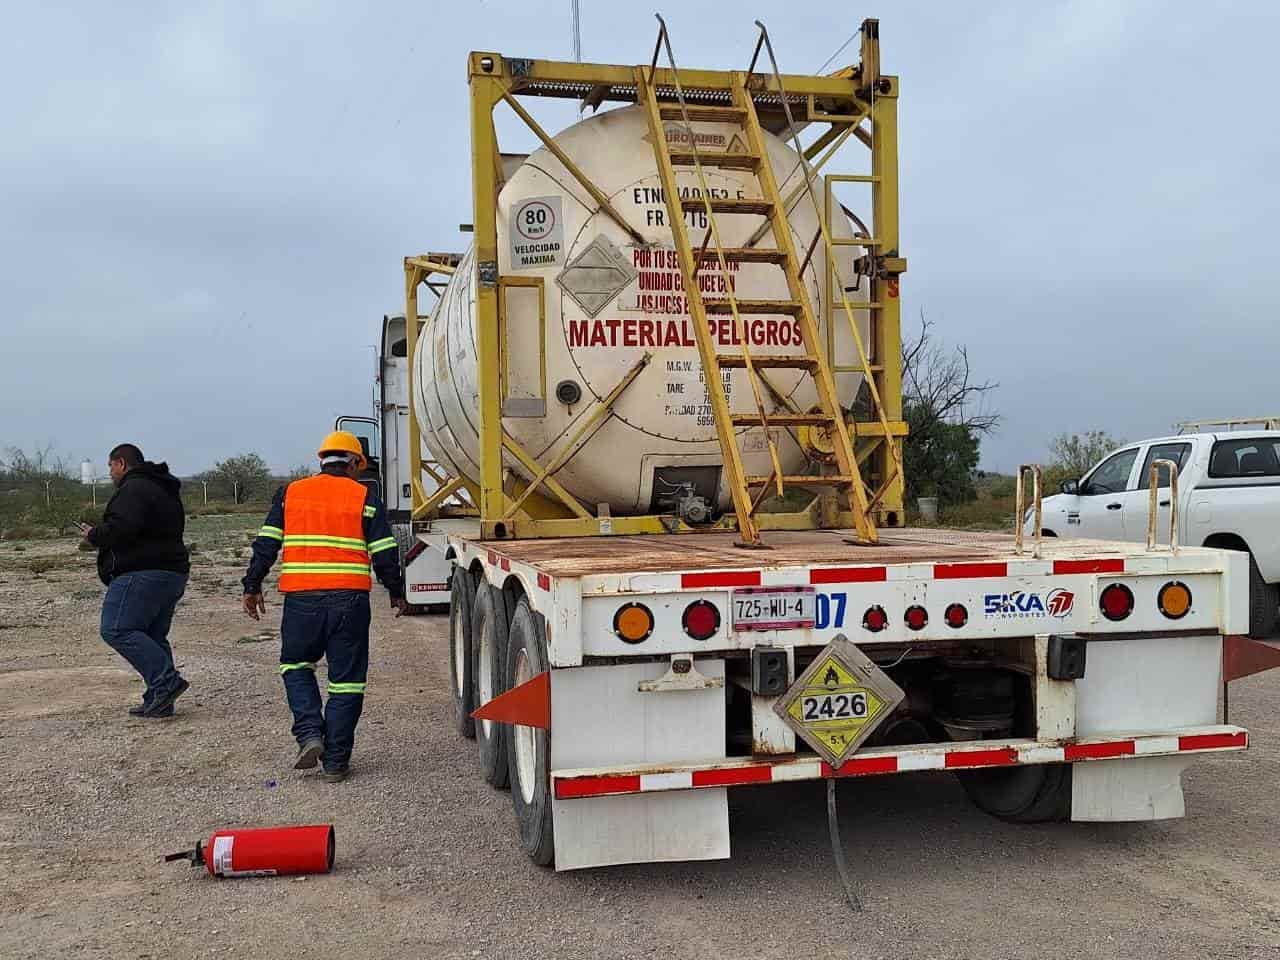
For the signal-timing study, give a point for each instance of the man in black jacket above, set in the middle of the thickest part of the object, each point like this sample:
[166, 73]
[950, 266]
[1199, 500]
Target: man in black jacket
[144, 563]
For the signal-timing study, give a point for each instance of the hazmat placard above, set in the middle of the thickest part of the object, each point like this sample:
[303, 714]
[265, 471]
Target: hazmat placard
[536, 229]
[838, 702]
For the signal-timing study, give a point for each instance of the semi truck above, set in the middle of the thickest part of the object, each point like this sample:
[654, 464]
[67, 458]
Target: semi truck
[657, 417]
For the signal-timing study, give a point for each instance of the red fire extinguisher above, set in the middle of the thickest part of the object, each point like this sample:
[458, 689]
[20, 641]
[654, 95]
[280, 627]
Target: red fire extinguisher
[264, 852]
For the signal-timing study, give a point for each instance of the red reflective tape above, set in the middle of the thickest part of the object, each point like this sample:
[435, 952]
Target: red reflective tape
[544, 582]
[493, 558]
[966, 571]
[596, 786]
[849, 575]
[1002, 757]
[1213, 741]
[1098, 751]
[727, 578]
[733, 777]
[504, 563]
[866, 766]
[1114, 565]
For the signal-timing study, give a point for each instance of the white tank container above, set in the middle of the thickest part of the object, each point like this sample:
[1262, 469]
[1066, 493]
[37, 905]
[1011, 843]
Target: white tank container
[582, 302]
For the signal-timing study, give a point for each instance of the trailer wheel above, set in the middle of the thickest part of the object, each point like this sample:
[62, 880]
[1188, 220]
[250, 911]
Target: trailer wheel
[461, 655]
[1031, 794]
[1262, 604]
[529, 748]
[490, 673]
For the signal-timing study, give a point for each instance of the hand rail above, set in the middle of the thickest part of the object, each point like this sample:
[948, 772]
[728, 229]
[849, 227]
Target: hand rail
[1153, 511]
[1020, 508]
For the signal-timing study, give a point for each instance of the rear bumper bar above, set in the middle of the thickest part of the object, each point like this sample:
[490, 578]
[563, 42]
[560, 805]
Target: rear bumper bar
[875, 761]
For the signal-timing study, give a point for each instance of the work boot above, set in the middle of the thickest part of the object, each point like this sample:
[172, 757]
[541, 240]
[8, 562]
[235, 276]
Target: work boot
[335, 776]
[141, 711]
[309, 754]
[165, 701]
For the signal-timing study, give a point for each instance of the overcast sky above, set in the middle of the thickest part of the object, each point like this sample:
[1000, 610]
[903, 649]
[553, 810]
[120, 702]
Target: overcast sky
[205, 205]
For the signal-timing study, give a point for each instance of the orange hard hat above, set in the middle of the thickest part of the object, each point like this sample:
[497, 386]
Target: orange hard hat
[343, 441]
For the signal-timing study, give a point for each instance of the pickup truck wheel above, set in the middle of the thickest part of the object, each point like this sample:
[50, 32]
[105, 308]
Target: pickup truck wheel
[529, 748]
[1262, 604]
[490, 672]
[1031, 794]
[461, 655]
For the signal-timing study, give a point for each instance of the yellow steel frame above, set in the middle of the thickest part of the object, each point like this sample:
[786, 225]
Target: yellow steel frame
[510, 507]
[505, 284]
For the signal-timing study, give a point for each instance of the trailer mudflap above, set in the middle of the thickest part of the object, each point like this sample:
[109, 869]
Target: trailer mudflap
[599, 714]
[1122, 791]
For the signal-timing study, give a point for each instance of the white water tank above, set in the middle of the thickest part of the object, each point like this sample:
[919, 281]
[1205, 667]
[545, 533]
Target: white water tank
[87, 476]
[582, 302]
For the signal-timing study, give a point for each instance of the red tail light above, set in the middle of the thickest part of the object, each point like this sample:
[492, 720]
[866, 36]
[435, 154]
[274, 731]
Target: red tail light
[701, 620]
[875, 619]
[956, 616]
[917, 618]
[1116, 602]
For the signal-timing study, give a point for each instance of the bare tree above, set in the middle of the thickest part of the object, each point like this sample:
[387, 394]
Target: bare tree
[41, 464]
[946, 416]
[938, 382]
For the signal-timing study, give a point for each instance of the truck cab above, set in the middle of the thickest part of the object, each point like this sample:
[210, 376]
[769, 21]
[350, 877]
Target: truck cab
[385, 439]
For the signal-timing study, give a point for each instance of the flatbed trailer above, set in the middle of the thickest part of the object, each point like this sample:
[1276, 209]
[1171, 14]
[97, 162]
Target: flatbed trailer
[623, 659]
[643, 738]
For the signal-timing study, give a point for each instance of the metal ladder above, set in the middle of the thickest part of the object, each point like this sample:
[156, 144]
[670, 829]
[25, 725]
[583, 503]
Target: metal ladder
[830, 416]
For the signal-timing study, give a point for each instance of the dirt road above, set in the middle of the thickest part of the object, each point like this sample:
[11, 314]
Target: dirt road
[427, 863]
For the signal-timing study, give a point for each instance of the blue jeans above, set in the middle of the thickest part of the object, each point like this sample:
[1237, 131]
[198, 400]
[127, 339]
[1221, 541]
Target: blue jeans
[136, 614]
[333, 624]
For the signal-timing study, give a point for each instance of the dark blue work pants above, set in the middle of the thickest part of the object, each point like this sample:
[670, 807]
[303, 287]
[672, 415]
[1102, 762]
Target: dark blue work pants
[333, 624]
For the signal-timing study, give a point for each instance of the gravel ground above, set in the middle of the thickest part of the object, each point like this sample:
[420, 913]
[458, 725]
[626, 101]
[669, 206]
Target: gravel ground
[427, 860]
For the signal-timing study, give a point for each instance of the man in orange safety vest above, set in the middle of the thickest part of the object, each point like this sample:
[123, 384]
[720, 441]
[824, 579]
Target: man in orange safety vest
[333, 530]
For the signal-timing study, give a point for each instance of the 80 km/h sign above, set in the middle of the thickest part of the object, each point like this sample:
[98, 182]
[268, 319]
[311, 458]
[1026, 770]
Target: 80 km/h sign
[838, 702]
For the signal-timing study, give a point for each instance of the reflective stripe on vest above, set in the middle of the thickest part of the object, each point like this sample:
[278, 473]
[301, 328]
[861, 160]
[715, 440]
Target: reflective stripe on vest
[324, 545]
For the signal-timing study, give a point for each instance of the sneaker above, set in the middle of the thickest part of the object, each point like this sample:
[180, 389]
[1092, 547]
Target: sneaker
[141, 711]
[335, 776]
[309, 754]
[165, 701]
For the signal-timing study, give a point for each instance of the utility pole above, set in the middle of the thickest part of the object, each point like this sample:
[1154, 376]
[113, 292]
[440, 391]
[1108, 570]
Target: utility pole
[577, 32]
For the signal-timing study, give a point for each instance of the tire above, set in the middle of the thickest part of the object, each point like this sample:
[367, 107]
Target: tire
[461, 652]
[1262, 604]
[490, 661]
[403, 533]
[1032, 794]
[528, 748]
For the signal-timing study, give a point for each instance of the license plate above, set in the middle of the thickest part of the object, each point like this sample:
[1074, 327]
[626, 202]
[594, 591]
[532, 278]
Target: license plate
[774, 608]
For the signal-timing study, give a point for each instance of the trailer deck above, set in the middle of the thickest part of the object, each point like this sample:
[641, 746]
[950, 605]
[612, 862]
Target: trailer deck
[602, 556]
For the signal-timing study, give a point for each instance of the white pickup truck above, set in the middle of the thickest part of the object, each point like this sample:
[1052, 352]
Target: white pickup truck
[1228, 493]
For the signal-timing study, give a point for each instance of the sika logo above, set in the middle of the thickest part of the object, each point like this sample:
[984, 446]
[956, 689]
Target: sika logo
[1060, 602]
[1019, 605]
